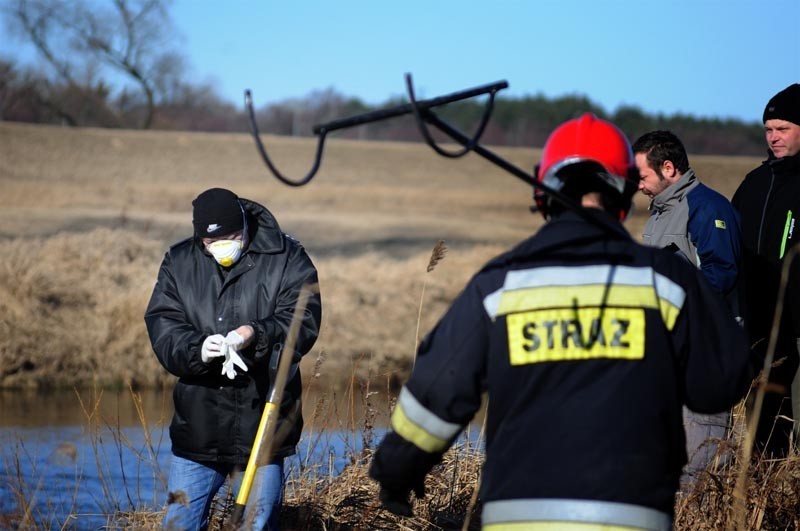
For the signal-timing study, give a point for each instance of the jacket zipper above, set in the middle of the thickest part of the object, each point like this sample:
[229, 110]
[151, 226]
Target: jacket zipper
[764, 210]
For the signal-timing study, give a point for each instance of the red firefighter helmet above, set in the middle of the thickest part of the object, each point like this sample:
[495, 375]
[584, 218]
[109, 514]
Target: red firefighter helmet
[597, 145]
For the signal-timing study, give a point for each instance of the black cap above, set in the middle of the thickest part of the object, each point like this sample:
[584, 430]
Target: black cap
[217, 212]
[785, 105]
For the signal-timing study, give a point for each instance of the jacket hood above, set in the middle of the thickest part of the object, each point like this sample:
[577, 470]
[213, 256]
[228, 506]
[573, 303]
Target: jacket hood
[262, 229]
[674, 192]
[566, 230]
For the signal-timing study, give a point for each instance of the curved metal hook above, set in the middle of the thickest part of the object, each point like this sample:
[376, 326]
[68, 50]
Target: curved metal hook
[248, 101]
[423, 129]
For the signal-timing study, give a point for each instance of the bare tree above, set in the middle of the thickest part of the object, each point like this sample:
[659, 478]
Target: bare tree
[128, 36]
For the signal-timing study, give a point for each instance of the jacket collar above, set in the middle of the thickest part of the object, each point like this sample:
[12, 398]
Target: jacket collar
[265, 237]
[263, 230]
[675, 192]
[783, 165]
[569, 229]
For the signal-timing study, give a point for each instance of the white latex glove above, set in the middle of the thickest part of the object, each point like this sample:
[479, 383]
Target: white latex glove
[212, 348]
[230, 345]
[234, 340]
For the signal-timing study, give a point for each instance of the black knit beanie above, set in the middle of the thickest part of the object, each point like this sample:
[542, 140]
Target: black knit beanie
[785, 105]
[217, 212]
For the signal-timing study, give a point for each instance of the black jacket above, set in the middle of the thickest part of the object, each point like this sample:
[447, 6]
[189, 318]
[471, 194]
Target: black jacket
[769, 203]
[215, 418]
[588, 345]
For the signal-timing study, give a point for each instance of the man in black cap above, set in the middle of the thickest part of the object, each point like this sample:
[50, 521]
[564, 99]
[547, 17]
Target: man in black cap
[769, 202]
[217, 319]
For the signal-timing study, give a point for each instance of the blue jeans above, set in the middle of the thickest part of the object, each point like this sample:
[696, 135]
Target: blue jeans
[200, 482]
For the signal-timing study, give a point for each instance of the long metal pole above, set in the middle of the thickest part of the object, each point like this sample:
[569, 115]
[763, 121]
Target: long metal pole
[400, 110]
[591, 215]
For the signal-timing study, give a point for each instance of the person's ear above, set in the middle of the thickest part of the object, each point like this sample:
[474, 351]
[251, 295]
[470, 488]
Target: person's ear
[668, 170]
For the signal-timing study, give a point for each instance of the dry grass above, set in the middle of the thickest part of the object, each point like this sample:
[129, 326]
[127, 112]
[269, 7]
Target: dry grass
[71, 310]
[72, 304]
[772, 493]
[86, 214]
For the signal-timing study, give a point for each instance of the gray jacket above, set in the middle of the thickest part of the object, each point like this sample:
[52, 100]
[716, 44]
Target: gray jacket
[700, 224]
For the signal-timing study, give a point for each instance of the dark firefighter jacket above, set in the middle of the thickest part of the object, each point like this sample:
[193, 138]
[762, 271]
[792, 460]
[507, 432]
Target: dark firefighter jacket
[215, 418]
[588, 345]
[769, 203]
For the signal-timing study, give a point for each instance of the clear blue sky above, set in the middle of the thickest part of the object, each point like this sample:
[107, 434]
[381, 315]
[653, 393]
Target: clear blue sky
[721, 58]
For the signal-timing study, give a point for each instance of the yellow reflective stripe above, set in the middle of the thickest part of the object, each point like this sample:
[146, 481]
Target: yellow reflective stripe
[669, 313]
[577, 296]
[556, 526]
[414, 434]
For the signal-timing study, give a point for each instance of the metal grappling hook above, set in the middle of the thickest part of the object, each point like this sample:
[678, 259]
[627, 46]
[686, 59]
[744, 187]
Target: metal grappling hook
[422, 111]
[415, 107]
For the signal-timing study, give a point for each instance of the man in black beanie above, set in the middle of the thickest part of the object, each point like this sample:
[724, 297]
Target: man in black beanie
[769, 202]
[218, 319]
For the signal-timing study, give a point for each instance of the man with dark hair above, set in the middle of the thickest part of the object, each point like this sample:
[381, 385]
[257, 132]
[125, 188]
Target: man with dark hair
[218, 319]
[588, 344]
[769, 202]
[700, 225]
[684, 212]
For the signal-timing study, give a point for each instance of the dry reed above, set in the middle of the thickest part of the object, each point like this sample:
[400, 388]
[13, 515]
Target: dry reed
[437, 254]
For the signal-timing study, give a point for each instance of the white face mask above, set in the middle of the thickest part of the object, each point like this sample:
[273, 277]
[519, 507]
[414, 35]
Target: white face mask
[226, 252]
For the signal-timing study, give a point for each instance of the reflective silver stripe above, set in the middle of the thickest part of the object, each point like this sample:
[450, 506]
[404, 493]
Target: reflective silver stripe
[416, 413]
[578, 276]
[665, 288]
[492, 302]
[670, 291]
[583, 511]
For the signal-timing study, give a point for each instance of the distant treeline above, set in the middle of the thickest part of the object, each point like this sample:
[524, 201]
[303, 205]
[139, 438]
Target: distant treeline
[516, 121]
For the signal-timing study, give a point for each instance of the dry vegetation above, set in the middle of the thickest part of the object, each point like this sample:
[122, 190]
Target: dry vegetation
[85, 216]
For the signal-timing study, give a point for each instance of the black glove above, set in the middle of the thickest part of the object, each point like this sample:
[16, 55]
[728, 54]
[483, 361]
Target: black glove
[398, 502]
[400, 468]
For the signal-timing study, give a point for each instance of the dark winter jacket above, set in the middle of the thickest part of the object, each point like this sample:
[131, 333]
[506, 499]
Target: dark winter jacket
[704, 227]
[768, 201]
[588, 345]
[215, 418]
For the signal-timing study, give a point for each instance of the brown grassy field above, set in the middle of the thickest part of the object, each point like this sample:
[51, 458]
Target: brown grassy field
[86, 214]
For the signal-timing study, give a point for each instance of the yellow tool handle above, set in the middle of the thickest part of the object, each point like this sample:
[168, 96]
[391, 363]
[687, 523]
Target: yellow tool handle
[252, 463]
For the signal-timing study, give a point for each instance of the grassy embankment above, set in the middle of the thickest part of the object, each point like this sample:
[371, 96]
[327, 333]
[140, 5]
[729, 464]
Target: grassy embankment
[85, 216]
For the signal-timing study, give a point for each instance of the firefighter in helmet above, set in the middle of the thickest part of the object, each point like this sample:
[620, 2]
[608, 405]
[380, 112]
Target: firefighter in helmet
[588, 345]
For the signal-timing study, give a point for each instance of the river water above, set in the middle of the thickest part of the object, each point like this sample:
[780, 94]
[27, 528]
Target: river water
[69, 460]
